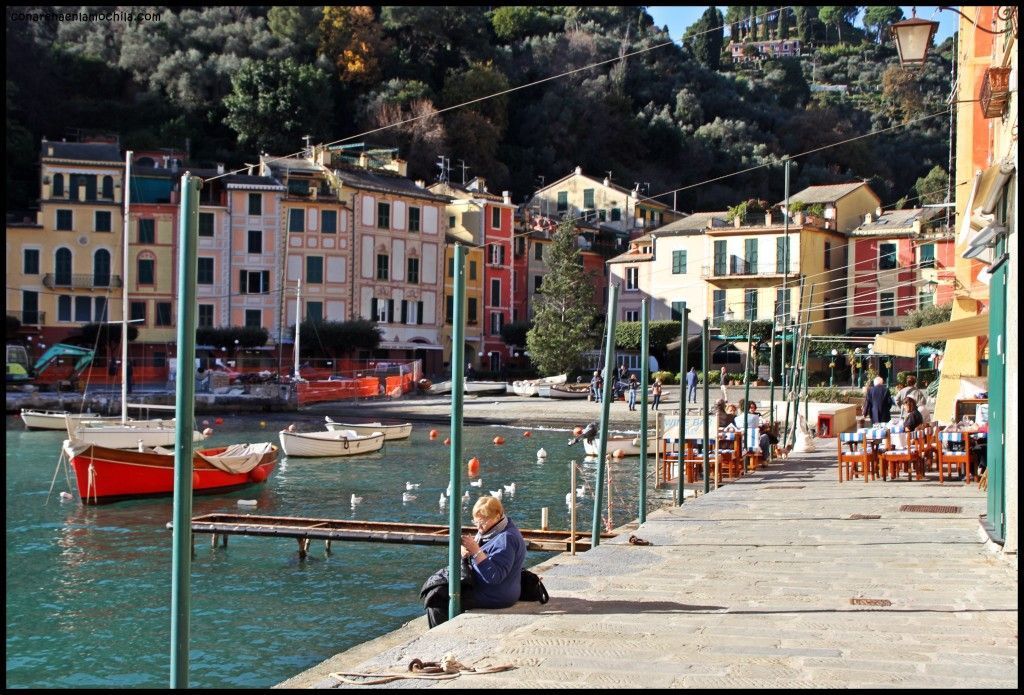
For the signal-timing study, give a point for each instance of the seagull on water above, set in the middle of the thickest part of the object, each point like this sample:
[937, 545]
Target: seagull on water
[442, 500]
[356, 500]
[411, 486]
[496, 494]
[579, 491]
[408, 497]
[510, 489]
[476, 483]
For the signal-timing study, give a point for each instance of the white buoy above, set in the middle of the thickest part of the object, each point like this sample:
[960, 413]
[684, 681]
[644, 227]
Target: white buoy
[246, 503]
[541, 453]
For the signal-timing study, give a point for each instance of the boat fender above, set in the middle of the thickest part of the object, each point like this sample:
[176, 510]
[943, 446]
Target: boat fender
[246, 503]
[258, 474]
[542, 453]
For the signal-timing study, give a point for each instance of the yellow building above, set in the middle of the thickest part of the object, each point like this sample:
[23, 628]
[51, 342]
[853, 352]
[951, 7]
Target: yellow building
[64, 267]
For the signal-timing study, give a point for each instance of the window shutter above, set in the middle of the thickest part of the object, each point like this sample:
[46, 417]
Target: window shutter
[501, 254]
[391, 311]
[373, 309]
[404, 310]
[419, 312]
[265, 282]
[243, 282]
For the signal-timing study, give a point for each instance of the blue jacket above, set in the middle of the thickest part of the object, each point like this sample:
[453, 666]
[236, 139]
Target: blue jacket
[497, 579]
[691, 378]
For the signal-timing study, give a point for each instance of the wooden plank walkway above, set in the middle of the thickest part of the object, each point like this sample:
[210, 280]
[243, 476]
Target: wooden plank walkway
[305, 529]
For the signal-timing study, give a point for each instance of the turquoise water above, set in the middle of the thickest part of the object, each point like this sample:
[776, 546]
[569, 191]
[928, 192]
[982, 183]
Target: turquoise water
[88, 588]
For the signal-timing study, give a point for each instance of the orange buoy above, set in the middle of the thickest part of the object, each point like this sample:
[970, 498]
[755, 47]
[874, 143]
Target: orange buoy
[474, 467]
[258, 474]
[263, 424]
[219, 421]
[447, 441]
[433, 434]
[618, 453]
[499, 440]
[577, 431]
[527, 433]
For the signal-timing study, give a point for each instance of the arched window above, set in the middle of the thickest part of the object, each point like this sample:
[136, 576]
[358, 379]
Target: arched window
[62, 269]
[108, 187]
[101, 268]
[58, 186]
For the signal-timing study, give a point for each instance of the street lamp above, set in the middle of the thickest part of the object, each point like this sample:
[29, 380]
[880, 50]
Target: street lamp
[832, 368]
[913, 36]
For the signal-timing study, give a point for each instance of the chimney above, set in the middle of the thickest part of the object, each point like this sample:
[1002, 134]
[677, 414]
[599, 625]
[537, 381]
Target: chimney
[220, 168]
[878, 212]
[867, 218]
[768, 218]
[579, 170]
[737, 221]
[481, 184]
[607, 181]
[507, 196]
[798, 217]
[421, 183]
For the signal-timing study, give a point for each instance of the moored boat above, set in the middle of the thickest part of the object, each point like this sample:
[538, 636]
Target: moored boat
[57, 419]
[576, 391]
[391, 432]
[127, 435]
[629, 445]
[329, 443]
[106, 474]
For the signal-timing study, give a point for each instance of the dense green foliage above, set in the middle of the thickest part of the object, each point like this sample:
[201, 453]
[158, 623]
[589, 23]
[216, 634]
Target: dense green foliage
[565, 308]
[929, 316]
[514, 333]
[661, 333]
[218, 81]
[332, 338]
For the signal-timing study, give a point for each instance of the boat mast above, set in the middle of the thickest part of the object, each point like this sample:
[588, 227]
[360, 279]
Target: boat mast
[124, 291]
[298, 308]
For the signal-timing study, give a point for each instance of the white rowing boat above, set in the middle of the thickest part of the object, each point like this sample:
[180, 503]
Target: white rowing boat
[329, 443]
[391, 432]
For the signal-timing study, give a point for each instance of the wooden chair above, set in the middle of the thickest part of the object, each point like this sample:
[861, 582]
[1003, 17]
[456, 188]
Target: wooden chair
[855, 458]
[752, 454]
[730, 460]
[903, 453]
[950, 457]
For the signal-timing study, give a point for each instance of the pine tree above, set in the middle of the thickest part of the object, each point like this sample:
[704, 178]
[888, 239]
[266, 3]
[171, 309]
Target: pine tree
[561, 330]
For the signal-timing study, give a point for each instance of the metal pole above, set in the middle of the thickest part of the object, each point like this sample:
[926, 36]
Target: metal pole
[681, 483]
[124, 288]
[609, 369]
[746, 382]
[184, 413]
[645, 349]
[455, 458]
[705, 357]
[572, 507]
[807, 354]
[771, 379]
[298, 321]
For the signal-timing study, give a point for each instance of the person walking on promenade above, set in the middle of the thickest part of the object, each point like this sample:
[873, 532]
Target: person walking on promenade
[721, 381]
[656, 392]
[691, 385]
[878, 402]
[596, 384]
[631, 391]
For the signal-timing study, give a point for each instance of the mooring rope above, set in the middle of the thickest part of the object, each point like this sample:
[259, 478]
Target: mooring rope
[446, 669]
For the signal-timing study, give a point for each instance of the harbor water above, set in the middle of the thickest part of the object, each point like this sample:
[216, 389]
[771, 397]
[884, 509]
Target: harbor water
[89, 588]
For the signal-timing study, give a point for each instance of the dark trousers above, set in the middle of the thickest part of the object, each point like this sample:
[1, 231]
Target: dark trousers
[691, 393]
[437, 603]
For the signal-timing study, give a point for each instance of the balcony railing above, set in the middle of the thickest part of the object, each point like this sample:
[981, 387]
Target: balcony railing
[29, 318]
[741, 270]
[81, 281]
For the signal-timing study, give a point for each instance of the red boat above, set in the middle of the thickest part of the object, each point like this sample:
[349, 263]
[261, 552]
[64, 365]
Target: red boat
[109, 475]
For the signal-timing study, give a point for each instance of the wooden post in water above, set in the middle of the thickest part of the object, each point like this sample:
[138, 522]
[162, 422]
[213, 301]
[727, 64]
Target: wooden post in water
[544, 518]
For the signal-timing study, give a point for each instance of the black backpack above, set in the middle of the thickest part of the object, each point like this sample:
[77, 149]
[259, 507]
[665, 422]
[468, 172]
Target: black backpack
[532, 588]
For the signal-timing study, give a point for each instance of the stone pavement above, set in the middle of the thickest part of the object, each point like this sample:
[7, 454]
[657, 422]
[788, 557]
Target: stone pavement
[750, 586]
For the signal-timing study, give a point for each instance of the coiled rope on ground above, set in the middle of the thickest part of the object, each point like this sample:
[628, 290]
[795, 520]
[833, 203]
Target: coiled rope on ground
[445, 669]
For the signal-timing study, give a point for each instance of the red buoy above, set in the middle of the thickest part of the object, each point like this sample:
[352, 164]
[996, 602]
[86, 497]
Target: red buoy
[258, 474]
[219, 421]
[499, 440]
[447, 441]
[577, 431]
[433, 434]
[527, 433]
[474, 467]
[618, 453]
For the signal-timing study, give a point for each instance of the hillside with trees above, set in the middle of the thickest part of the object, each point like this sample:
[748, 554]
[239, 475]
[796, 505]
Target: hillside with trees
[226, 83]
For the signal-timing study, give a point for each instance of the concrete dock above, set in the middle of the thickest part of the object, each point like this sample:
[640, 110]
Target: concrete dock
[785, 578]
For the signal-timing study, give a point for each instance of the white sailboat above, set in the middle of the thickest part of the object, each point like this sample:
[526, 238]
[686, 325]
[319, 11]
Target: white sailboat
[329, 443]
[391, 432]
[126, 434]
